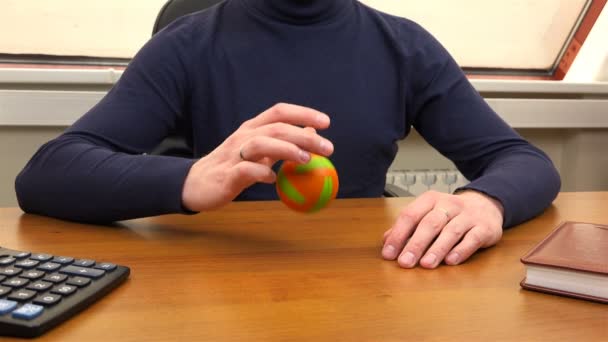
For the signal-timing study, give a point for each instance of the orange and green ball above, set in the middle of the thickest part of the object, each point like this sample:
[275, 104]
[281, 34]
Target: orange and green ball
[307, 187]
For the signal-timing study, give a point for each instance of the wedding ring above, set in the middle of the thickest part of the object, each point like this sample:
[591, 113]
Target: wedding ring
[241, 154]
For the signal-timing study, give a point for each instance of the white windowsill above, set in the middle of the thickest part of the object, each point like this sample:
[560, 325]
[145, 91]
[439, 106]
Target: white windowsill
[109, 76]
[522, 104]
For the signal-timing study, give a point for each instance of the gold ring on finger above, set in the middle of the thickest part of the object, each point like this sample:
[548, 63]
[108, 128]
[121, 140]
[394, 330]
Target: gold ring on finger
[241, 154]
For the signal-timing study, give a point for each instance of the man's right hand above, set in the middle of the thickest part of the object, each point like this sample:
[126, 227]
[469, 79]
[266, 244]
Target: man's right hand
[246, 156]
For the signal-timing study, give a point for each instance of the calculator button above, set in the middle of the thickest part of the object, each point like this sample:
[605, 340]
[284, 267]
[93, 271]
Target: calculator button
[63, 260]
[40, 286]
[4, 290]
[55, 278]
[10, 271]
[84, 262]
[15, 282]
[79, 281]
[47, 299]
[27, 264]
[7, 306]
[2, 277]
[83, 271]
[106, 266]
[22, 295]
[64, 290]
[22, 255]
[49, 266]
[41, 257]
[7, 260]
[28, 311]
[32, 274]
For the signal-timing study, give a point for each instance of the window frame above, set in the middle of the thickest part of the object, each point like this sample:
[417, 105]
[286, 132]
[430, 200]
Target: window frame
[565, 58]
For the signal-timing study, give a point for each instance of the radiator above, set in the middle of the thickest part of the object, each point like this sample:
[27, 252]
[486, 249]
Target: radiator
[418, 181]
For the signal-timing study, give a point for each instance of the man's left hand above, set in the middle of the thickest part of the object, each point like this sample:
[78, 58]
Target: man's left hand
[440, 227]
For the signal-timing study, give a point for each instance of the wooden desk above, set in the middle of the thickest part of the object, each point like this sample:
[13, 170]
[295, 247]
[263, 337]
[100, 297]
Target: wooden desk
[256, 271]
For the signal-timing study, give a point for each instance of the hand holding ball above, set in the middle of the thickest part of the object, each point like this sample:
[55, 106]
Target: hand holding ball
[307, 187]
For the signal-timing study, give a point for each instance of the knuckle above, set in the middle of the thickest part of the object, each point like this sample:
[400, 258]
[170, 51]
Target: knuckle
[247, 123]
[254, 145]
[407, 217]
[498, 233]
[397, 235]
[495, 234]
[279, 109]
[311, 137]
[456, 202]
[456, 232]
[416, 246]
[294, 151]
[430, 194]
[276, 130]
[434, 226]
[240, 172]
[441, 250]
[268, 176]
[475, 238]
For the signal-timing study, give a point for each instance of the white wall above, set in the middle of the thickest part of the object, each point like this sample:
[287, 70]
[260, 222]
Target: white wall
[103, 28]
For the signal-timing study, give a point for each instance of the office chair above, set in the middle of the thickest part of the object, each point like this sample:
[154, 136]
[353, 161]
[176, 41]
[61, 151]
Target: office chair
[175, 144]
[174, 9]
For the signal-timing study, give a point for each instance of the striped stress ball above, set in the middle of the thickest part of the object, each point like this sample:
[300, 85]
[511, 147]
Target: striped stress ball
[307, 187]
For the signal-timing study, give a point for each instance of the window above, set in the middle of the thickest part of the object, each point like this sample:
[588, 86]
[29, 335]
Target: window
[538, 38]
[525, 37]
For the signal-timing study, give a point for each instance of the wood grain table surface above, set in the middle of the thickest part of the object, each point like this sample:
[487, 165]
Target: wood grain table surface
[256, 271]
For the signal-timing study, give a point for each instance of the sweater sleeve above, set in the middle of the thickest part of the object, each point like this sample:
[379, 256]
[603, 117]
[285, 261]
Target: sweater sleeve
[98, 170]
[453, 117]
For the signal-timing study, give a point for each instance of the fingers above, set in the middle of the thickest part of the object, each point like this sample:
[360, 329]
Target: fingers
[428, 229]
[449, 237]
[284, 141]
[291, 114]
[284, 131]
[406, 224]
[472, 241]
[261, 147]
[247, 173]
[441, 227]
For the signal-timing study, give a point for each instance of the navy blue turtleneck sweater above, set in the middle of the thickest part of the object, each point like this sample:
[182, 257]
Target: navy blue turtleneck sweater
[375, 75]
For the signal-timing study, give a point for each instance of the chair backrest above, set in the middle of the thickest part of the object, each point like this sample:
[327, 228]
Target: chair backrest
[178, 143]
[174, 9]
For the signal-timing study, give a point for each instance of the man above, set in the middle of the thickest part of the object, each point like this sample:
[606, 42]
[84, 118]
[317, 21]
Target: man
[356, 79]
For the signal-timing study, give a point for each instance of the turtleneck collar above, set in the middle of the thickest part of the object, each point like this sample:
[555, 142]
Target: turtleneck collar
[300, 11]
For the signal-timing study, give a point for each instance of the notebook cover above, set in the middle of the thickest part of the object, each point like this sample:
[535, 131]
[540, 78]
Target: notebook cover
[575, 246]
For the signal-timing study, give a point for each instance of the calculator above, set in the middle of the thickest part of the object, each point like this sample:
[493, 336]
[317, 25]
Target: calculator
[39, 291]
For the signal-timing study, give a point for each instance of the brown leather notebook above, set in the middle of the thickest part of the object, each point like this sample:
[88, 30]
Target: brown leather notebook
[571, 261]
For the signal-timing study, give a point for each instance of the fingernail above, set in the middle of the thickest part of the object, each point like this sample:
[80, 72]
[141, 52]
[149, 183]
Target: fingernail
[429, 259]
[389, 252]
[322, 120]
[407, 259]
[304, 156]
[453, 258]
[326, 146]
